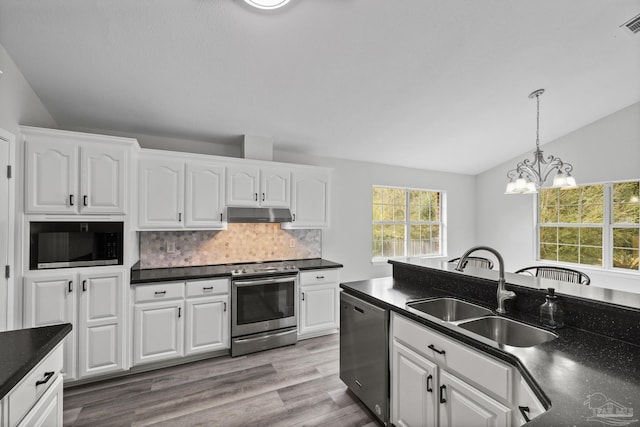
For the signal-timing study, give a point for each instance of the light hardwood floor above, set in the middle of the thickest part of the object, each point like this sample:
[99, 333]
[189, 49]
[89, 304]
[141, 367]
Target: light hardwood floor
[289, 386]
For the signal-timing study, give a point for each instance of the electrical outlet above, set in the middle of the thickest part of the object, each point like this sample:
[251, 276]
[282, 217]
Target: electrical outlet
[171, 247]
[292, 243]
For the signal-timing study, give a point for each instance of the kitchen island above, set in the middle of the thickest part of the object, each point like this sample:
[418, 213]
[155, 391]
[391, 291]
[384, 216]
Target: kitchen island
[30, 377]
[596, 355]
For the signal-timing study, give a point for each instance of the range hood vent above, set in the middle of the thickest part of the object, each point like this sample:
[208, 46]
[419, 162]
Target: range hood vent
[632, 26]
[254, 215]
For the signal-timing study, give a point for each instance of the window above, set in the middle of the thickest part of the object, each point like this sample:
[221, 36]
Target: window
[595, 225]
[406, 222]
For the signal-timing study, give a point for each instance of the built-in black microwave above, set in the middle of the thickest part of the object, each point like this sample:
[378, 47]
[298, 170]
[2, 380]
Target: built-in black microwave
[75, 244]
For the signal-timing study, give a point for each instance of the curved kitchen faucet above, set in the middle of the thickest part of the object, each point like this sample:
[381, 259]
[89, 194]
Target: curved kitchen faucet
[502, 294]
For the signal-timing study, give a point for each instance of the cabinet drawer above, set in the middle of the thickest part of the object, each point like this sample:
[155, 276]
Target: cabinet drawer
[38, 380]
[485, 372]
[159, 292]
[203, 288]
[316, 277]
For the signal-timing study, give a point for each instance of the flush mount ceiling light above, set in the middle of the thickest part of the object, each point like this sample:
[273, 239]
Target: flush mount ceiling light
[267, 4]
[529, 176]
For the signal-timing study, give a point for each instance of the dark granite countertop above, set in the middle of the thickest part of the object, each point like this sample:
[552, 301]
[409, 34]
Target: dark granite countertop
[563, 372]
[210, 271]
[21, 350]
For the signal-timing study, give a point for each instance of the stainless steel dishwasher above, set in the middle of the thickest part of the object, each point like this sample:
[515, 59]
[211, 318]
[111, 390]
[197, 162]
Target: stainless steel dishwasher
[364, 353]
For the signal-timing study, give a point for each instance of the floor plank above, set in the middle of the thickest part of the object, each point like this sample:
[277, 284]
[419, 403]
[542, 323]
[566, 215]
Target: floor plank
[285, 387]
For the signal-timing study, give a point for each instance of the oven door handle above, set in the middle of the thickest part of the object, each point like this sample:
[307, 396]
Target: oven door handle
[293, 331]
[242, 283]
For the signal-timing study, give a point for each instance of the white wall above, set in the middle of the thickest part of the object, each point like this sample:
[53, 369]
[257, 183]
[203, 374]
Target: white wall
[19, 105]
[348, 240]
[605, 150]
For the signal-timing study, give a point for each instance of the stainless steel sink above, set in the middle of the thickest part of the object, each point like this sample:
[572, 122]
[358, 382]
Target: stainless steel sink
[448, 309]
[507, 331]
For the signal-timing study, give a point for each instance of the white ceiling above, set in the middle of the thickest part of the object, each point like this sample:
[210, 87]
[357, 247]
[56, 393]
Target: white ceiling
[435, 84]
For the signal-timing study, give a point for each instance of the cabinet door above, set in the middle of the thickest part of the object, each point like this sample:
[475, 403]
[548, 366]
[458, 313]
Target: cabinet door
[51, 177]
[414, 386]
[102, 173]
[275, 187]
[158, 331]
[160, 193]
[50, 300]
[204, 203]
[319, 308]
[243, 186]
[47, 412]
[310, 200]
[463, 405]
[207, 324]
[100, 329]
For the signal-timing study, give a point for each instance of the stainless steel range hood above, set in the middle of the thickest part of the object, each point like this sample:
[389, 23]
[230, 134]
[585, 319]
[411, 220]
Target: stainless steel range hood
[252, 215]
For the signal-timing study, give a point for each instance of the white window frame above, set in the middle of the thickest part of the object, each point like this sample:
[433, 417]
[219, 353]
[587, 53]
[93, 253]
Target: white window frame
[607, 233]
[407, 223]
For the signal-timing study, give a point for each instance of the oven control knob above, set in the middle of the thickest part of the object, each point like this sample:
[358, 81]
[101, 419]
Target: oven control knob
[244, 270]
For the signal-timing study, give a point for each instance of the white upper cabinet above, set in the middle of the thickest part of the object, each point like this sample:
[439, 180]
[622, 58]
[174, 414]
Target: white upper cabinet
[255, 186]
[309, 200]
[160, 193]
[178, 194]
[102, 180]
[204, 202]
[74, 173]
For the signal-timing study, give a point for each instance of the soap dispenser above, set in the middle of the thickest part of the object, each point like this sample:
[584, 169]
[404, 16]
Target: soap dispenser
[551, 314]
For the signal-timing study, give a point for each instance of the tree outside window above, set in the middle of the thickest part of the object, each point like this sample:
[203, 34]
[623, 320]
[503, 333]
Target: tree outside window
[596, 225]
[406, 222]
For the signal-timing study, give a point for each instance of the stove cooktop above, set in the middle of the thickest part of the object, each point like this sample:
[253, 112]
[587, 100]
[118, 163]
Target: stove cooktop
[264, 269]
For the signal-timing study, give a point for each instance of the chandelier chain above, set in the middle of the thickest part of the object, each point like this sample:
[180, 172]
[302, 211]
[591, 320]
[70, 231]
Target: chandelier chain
[538, 121]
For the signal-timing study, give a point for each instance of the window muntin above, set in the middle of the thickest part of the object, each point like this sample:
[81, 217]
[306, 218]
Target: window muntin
[595, 225]
[396, 234]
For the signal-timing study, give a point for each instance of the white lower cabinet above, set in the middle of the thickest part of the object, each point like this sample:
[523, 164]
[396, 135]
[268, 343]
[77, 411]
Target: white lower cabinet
[319, 298]
[92, 301]
[158, 331]
[178, 319]
[37, 399]
[437, 381]
[207, 327]
[463, 405]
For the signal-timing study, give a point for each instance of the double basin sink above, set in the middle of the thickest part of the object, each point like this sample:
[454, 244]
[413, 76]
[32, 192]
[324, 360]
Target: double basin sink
[481, 321]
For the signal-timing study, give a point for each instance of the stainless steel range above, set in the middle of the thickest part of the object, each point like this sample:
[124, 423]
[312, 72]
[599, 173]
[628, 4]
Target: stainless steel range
[264, 307]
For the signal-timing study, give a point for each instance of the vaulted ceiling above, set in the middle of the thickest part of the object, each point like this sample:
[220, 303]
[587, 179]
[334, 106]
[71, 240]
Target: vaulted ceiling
[434, 84]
